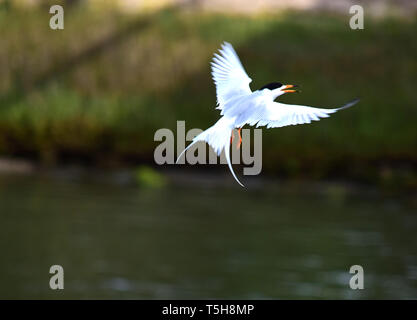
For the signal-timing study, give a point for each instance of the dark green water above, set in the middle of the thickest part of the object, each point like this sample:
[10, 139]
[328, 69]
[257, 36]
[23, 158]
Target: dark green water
[119, 241]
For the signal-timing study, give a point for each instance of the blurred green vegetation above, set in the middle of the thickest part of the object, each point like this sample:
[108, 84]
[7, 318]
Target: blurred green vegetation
[99, 89]
[145, 176]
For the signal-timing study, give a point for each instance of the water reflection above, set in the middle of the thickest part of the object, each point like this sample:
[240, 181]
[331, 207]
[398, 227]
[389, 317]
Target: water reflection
[121, 241]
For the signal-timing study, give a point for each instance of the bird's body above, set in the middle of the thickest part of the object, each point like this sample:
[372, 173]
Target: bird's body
[240, 106]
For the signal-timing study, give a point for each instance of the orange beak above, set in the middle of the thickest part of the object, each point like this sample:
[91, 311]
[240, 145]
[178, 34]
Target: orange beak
[290, 86]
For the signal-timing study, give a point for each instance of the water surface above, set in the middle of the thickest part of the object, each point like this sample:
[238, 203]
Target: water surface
[115, 240]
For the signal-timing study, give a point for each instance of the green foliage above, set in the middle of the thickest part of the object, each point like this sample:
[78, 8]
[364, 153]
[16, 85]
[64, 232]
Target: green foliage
[109, 104]
[150, 178]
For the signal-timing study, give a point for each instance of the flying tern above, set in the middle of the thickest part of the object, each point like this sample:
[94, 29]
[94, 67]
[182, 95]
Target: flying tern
[239, 105]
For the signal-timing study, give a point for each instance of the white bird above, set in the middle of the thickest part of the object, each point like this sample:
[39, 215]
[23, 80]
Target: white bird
[240, 106]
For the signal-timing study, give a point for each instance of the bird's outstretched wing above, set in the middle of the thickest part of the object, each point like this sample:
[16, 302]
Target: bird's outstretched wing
[274, 114]
[229, 76]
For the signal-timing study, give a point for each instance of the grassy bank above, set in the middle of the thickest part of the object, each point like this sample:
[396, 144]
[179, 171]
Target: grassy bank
[99, 89]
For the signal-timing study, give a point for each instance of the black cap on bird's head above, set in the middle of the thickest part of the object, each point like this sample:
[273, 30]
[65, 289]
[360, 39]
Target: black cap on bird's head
[272, 86]
[278, 85]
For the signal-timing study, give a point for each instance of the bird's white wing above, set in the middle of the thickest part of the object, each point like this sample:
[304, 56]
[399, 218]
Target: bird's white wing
[273, 114]
[229, 76]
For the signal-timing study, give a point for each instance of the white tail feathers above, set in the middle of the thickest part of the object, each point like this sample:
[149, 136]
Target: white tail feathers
[229, 163]
[218, 137]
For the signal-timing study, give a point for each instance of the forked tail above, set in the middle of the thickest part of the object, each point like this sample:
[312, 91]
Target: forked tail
[218, 137]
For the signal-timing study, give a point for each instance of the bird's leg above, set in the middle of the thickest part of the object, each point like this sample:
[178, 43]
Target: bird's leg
[240, 138]
[232, 137]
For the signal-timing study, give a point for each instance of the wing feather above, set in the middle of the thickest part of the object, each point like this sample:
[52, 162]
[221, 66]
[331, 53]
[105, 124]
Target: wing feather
[229, 76]
[274, 114]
